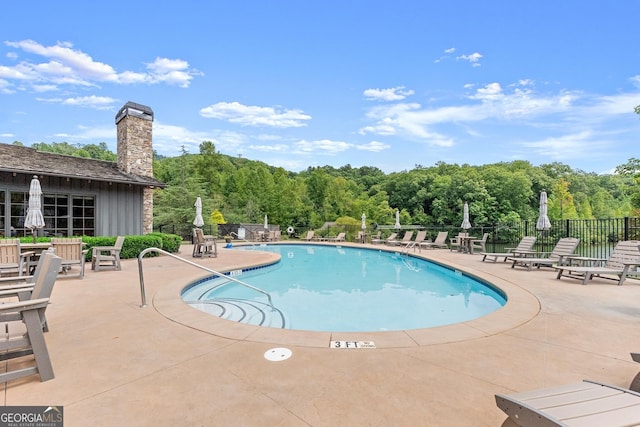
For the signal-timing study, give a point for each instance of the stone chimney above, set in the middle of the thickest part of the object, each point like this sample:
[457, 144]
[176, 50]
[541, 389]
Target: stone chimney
[135, 152]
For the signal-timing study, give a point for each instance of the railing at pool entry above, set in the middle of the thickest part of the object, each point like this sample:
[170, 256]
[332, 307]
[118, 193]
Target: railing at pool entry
[242, 240]
[230, 279]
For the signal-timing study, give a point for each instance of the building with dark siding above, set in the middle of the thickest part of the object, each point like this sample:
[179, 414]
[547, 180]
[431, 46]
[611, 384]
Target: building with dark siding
[84, 196]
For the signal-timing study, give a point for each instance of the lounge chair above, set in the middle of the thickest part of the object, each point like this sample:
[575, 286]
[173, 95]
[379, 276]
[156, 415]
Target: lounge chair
[586, 403]
[457, 241]
[480, 243]
[565, 246]
[405, 239]
[309, 236]
[12, 260]
[26, 335]
[420, 238]
[625, 255]
[107, 256]
[392, 237]
[439, 242]
[521, 249]
[71, 252]
[339, 238]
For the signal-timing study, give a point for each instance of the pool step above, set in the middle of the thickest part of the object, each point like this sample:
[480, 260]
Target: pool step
[242, 311]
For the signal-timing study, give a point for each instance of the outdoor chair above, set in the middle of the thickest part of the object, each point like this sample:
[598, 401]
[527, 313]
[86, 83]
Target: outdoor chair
[339, 238]
[204, 245]
[456, 241]
[522, 249]
[587, 403]
[625, 256]
[12, 260]
[38, 285]
[565, 247]
[405, 239]
[72, 253]
[420, 238]
[480, 243]
[25, 334]
[439, 242]
[107, 256]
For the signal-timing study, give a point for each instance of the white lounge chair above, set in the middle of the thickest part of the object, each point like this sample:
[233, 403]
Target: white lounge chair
[309, 237]
[624, 257]
[565, 246]
[524, 247]
[582, 404]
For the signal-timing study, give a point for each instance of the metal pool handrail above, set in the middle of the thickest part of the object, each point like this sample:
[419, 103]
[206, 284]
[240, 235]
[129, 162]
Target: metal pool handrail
[231, 279]
[233, 233]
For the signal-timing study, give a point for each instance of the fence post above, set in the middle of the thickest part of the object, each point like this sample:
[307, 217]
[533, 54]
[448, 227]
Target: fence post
[626, 228]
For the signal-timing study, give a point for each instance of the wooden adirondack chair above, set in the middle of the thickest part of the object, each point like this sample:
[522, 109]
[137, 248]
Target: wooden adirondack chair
[12, 260]
[107, 256]
[72, 253]
[25, 324]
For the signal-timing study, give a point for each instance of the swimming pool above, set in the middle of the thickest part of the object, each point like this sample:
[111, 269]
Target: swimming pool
[344, 289]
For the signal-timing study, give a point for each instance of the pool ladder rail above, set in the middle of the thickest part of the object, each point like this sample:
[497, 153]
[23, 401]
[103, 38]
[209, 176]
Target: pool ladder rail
[229, 278]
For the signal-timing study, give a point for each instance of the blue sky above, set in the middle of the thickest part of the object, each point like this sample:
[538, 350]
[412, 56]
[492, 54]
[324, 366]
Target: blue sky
[366, 83]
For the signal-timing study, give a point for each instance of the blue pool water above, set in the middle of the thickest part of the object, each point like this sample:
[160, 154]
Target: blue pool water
[333, 288]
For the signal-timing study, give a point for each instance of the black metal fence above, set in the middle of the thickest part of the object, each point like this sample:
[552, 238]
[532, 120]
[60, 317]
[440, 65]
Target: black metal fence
[597, 237]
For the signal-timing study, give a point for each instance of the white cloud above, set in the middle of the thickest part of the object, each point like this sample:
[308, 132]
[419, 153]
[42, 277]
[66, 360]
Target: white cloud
[473, 59]
[95, 102]
[275, 148]
[323, 146]
[570, 146]
[250, 115]
[373, 146]
[391, 94]
[69, 66]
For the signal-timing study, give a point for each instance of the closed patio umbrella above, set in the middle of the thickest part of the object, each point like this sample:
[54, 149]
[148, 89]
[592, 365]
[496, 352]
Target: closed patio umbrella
[34, 219]
[465, 217]
[266, 223]
[398, 226]
[198, 221]
[543, 223]
[364, 221]
[543, 219]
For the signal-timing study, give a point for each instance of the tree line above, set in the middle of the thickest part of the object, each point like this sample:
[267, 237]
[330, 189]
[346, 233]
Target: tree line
[239, 190]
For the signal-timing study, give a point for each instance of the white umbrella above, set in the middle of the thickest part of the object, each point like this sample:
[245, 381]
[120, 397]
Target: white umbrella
[198, 222]
[398, 226]
[34, 218]
[465, 217]
[364, 221]
[543, 219]
[266, 222]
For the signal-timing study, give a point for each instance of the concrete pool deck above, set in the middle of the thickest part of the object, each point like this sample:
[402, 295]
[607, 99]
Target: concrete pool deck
[168, 364]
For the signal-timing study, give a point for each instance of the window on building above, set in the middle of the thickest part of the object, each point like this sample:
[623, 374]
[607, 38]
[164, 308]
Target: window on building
[83, 216]
[3, 215]
[64, 214]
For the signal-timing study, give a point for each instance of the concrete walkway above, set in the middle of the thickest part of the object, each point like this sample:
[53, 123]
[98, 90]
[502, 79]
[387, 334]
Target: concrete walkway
[117, 364]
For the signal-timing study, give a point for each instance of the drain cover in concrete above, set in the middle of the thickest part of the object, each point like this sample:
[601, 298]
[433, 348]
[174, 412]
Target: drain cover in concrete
[277, 354]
